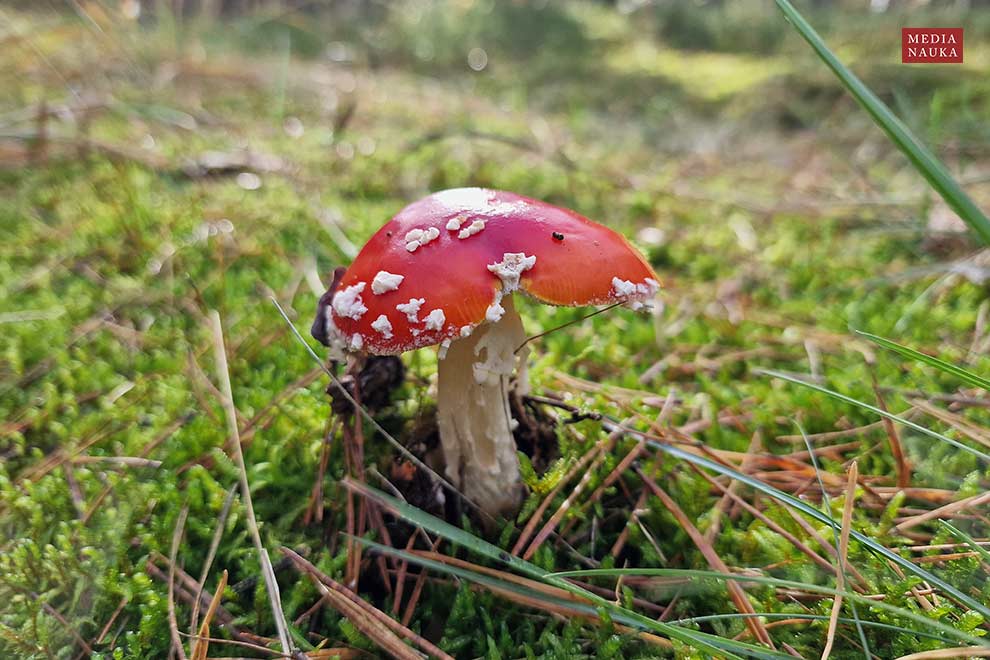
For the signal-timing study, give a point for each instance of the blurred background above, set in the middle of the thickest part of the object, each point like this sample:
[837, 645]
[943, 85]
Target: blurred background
[159, 159]
[698, 78]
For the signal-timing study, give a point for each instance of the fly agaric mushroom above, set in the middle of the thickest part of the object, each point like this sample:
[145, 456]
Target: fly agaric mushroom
[443, 272]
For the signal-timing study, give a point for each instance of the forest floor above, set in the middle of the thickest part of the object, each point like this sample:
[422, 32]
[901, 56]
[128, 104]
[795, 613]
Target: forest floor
[153, 174]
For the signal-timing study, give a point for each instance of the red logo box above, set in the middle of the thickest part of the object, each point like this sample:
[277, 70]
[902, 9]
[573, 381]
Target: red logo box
[931, 45]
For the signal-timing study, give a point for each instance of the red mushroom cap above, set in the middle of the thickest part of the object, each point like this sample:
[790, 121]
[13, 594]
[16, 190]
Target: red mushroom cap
[441, 265]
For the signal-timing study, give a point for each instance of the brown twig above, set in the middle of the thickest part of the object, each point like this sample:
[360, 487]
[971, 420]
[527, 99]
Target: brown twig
[185, 590]
[417, 591]
[812, 532]
[616, 472]
[958, 422]
[314, 510]
[620, 542]
[381, 628]
[173, 625]
[603, 448]
[735, 591]
[900, 462]
[566, 600]
[769, 522]
[258, 421]
[56, 458]
[943, 511]
[113, 617]
[400, 578]
[840, 575]
[122, 461]
[935, 559]
[74, 491]
[537, 515]
[202, 640]
[828, 436]
[755, 443]
[65, 624]
[257, 648]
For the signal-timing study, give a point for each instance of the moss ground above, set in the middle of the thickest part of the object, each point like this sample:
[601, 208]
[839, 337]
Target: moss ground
[153, 172]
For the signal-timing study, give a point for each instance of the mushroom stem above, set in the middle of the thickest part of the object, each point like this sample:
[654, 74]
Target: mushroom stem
[473, 412]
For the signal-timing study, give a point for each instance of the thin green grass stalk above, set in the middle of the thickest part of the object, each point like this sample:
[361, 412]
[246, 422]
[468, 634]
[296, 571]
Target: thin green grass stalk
[620, 616]
[967, 539]
[811, 617]
[488, 580]
[618, 613]
[822, 517]
[702, 641]
[964, 375]
[883, 413]
[776, 582]
[923, 160]
[838, 552]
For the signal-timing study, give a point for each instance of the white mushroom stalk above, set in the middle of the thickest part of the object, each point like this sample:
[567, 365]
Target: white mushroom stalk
[473, 386]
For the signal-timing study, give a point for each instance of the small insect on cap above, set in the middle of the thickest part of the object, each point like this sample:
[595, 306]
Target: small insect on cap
[442, 265]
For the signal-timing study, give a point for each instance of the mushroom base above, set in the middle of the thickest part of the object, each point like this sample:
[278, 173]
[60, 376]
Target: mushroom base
[473, 413]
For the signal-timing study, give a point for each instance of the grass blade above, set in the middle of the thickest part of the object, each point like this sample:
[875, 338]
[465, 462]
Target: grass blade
[485, 580]
[923, 160]
[969, 540]
[879, 411]
[710, 643]
[810, 618]
[949, 654]
[267, 571]
[838, 549]
[807, 509]
[776, 582]
[964, 375]
[617, 613]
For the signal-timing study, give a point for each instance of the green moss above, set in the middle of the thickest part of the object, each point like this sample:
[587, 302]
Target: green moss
[109, 261]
